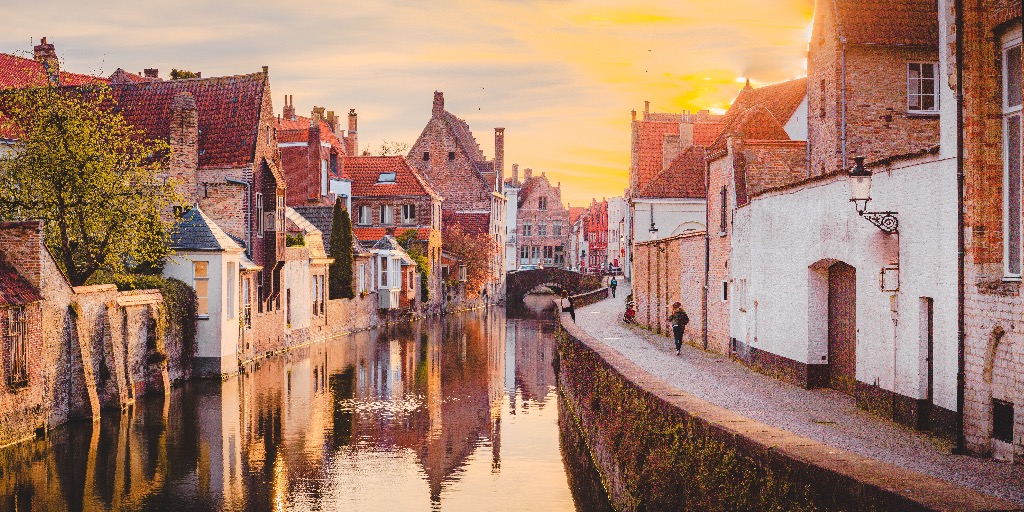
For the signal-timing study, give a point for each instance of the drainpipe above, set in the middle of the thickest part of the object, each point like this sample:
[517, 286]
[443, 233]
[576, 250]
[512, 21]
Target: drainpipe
[248, 225]
[961, 334]
[707, 246]
[842, 42]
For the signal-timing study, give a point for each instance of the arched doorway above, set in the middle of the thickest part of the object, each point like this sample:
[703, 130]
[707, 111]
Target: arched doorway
[842, 327]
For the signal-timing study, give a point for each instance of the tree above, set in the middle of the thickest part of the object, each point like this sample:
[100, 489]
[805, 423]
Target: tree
[181, 74]
[393, 148]
[473, 251]
[92, 178]
[341, 285]
[408, 239]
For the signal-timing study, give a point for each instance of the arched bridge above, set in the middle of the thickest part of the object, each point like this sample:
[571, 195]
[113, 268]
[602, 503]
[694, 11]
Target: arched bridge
[521, 282]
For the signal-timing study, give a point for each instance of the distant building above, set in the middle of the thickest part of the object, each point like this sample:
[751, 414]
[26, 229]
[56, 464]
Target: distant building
[312, 149]
[511, 188]
[543, 223]
[595, 229]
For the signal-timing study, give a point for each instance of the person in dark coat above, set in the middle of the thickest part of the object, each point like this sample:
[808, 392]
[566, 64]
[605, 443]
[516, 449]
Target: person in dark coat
[678, 319]
[567, 305]
[613, 285]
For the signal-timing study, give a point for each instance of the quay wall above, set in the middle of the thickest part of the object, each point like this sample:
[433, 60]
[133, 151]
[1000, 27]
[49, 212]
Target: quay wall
[658, 448]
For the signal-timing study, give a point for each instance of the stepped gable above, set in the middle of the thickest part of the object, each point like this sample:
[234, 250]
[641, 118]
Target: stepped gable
[684, 177]
[228, 111]
[889, 22]
[365, 172]
[15, 290]
[781, 99]
[197, 232]
[574, 213]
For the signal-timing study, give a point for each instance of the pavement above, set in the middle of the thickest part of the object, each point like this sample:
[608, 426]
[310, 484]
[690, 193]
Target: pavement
[824, 415]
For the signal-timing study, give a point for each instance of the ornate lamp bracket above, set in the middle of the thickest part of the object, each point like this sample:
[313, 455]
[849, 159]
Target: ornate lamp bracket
[886, 221]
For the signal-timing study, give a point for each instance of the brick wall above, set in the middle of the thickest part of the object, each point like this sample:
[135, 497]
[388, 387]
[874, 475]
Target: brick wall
[994, 344]
[530, 213]
[719, 240]
[456, 180]
[666, 271]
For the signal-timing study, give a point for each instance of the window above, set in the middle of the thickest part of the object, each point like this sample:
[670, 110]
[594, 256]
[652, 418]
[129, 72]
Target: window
[527, 229]
[387, 177]
[259, 214]
[1011, 106]
[524, 255]
[549, 255]
[396, 273]
[319, 296]
[386, 215]
[364, 216]
[542, 230]
[231, 289]
[408, 214]
[246, 304]
[723, 198]
[559, 256]
[1002, 421]
[201, 284]
[535, 254]
[426, 156]
[362, 277]
[451, 155]
[542, 203]
[18, 343]
[556, 228]
[383, 271]
[288, 307]
[922, 87]
[280, 212]
[725, 291]
[323, 177]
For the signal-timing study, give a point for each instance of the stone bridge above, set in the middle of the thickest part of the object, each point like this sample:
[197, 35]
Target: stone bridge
[520, 283]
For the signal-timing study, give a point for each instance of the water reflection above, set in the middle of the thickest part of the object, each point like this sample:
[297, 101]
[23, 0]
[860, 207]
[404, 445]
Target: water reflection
[453, 414]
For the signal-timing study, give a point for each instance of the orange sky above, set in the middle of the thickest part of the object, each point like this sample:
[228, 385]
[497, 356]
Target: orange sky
[560, 75]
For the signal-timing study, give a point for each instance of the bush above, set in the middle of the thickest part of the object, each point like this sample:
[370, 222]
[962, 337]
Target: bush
[295, 241]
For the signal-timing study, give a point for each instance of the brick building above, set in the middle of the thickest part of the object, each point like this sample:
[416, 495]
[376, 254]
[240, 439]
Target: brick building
[994, 343]
[312, 149]
[389, 196]
[447, 154]
[595, 232]
[542, 221]
[668, 270]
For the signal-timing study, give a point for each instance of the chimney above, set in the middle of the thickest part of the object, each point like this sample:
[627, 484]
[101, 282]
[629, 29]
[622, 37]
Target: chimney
[184, 141]
[438, 103]
[647, 108]
[289, 107]
[499, 155]
[151, 73]
[527, 174]
[633, 112]
[515, 174]
[352, 141]
[332, 121]
[316, 116]
[45, 54]
[686, 133]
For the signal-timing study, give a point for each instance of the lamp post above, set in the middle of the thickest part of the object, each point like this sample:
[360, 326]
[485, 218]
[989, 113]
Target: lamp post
[860, 194]
[653, 230]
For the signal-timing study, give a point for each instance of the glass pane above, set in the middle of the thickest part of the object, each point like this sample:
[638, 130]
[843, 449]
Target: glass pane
[928, 70]
[1013, 77]
[1013, 194]
[203, 306]
[202, 288]
[200, 268]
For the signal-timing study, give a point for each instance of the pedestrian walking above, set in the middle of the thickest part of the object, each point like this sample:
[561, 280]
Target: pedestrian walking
[678, 319]
[613, 285]
[567, 305]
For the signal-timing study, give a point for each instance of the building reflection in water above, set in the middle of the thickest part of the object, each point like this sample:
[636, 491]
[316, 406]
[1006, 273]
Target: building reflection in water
[360, 423]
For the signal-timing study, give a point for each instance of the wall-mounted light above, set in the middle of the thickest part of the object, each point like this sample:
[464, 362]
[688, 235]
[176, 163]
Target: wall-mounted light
[653, 230]
[860, 194]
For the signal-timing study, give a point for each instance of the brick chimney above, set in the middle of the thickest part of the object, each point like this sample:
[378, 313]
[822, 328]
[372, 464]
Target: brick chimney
[316, 116]
[288, 112]
[352, 141]
[151, 73]
[184, 141]
[332, 121]
[515, 174]
[438, 104]
[686, 132]
[527, 174]
[499, 155]
[45, 54]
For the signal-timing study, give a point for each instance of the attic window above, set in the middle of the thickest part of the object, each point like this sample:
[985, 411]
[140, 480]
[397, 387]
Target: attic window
[426, 156]
[451, 155]
[386, 177]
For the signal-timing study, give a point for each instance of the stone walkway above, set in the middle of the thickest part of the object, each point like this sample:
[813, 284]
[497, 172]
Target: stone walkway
[823, 415]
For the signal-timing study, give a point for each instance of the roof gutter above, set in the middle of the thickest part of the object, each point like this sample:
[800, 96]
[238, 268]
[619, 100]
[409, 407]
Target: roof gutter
[248, 225]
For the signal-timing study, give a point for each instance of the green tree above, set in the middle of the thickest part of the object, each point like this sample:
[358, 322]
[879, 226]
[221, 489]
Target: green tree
[418, 252]
[92, 178]
[181, 74]
[393, 148]
[341, 285]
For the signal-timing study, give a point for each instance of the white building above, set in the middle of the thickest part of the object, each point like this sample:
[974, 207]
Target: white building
[511, 188]
[618, 212]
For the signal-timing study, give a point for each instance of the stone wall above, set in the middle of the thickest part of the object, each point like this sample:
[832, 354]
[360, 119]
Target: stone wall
[658, 448]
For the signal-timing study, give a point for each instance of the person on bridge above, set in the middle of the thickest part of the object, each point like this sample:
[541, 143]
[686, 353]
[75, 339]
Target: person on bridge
[567, 305]
[613, 284]
[678, 319]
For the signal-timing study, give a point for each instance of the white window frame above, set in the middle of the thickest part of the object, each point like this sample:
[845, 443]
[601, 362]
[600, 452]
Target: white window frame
[323, 178]
[232, 273]
[386, 215]
[912, 90]
[196, 279]
[1011, 40]
[408, 214]
[364, 216]
[383, 278]
[258, 200]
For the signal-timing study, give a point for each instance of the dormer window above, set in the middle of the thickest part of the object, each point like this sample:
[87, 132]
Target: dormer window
[386, 177]
[922, 88]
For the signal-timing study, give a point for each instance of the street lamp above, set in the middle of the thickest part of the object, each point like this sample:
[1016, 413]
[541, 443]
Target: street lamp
[860, 194]
[653, 230]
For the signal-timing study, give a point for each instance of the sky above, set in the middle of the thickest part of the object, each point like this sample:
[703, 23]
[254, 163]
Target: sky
[561, 76]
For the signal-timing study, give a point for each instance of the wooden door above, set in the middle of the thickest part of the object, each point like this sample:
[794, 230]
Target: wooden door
[842, 327]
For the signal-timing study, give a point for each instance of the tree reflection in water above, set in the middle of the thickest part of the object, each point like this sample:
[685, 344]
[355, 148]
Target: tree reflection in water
[452, 414]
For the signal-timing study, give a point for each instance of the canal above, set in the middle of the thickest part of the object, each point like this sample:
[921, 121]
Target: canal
[456, 413]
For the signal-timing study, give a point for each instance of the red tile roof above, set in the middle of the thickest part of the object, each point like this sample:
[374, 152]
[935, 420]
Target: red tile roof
[471, 223]
[574, 213]
[17, 72]
[14, 289]
[889, 22]
[365, 171]
[706, 133]
[684, 177]
[228, 107]
[120, 76]
[781, 99]
[650, 143]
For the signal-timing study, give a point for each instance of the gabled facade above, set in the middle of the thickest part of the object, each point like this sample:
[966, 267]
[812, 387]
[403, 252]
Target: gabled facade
[595, 229]
[542, 221]
[447, 154]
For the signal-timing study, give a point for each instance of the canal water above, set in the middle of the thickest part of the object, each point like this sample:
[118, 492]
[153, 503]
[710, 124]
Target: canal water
[458, 413]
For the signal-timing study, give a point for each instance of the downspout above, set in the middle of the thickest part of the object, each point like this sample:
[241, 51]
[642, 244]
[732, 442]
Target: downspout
[961, 335]
[707, 247]
[248, 225]
[842, 43]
